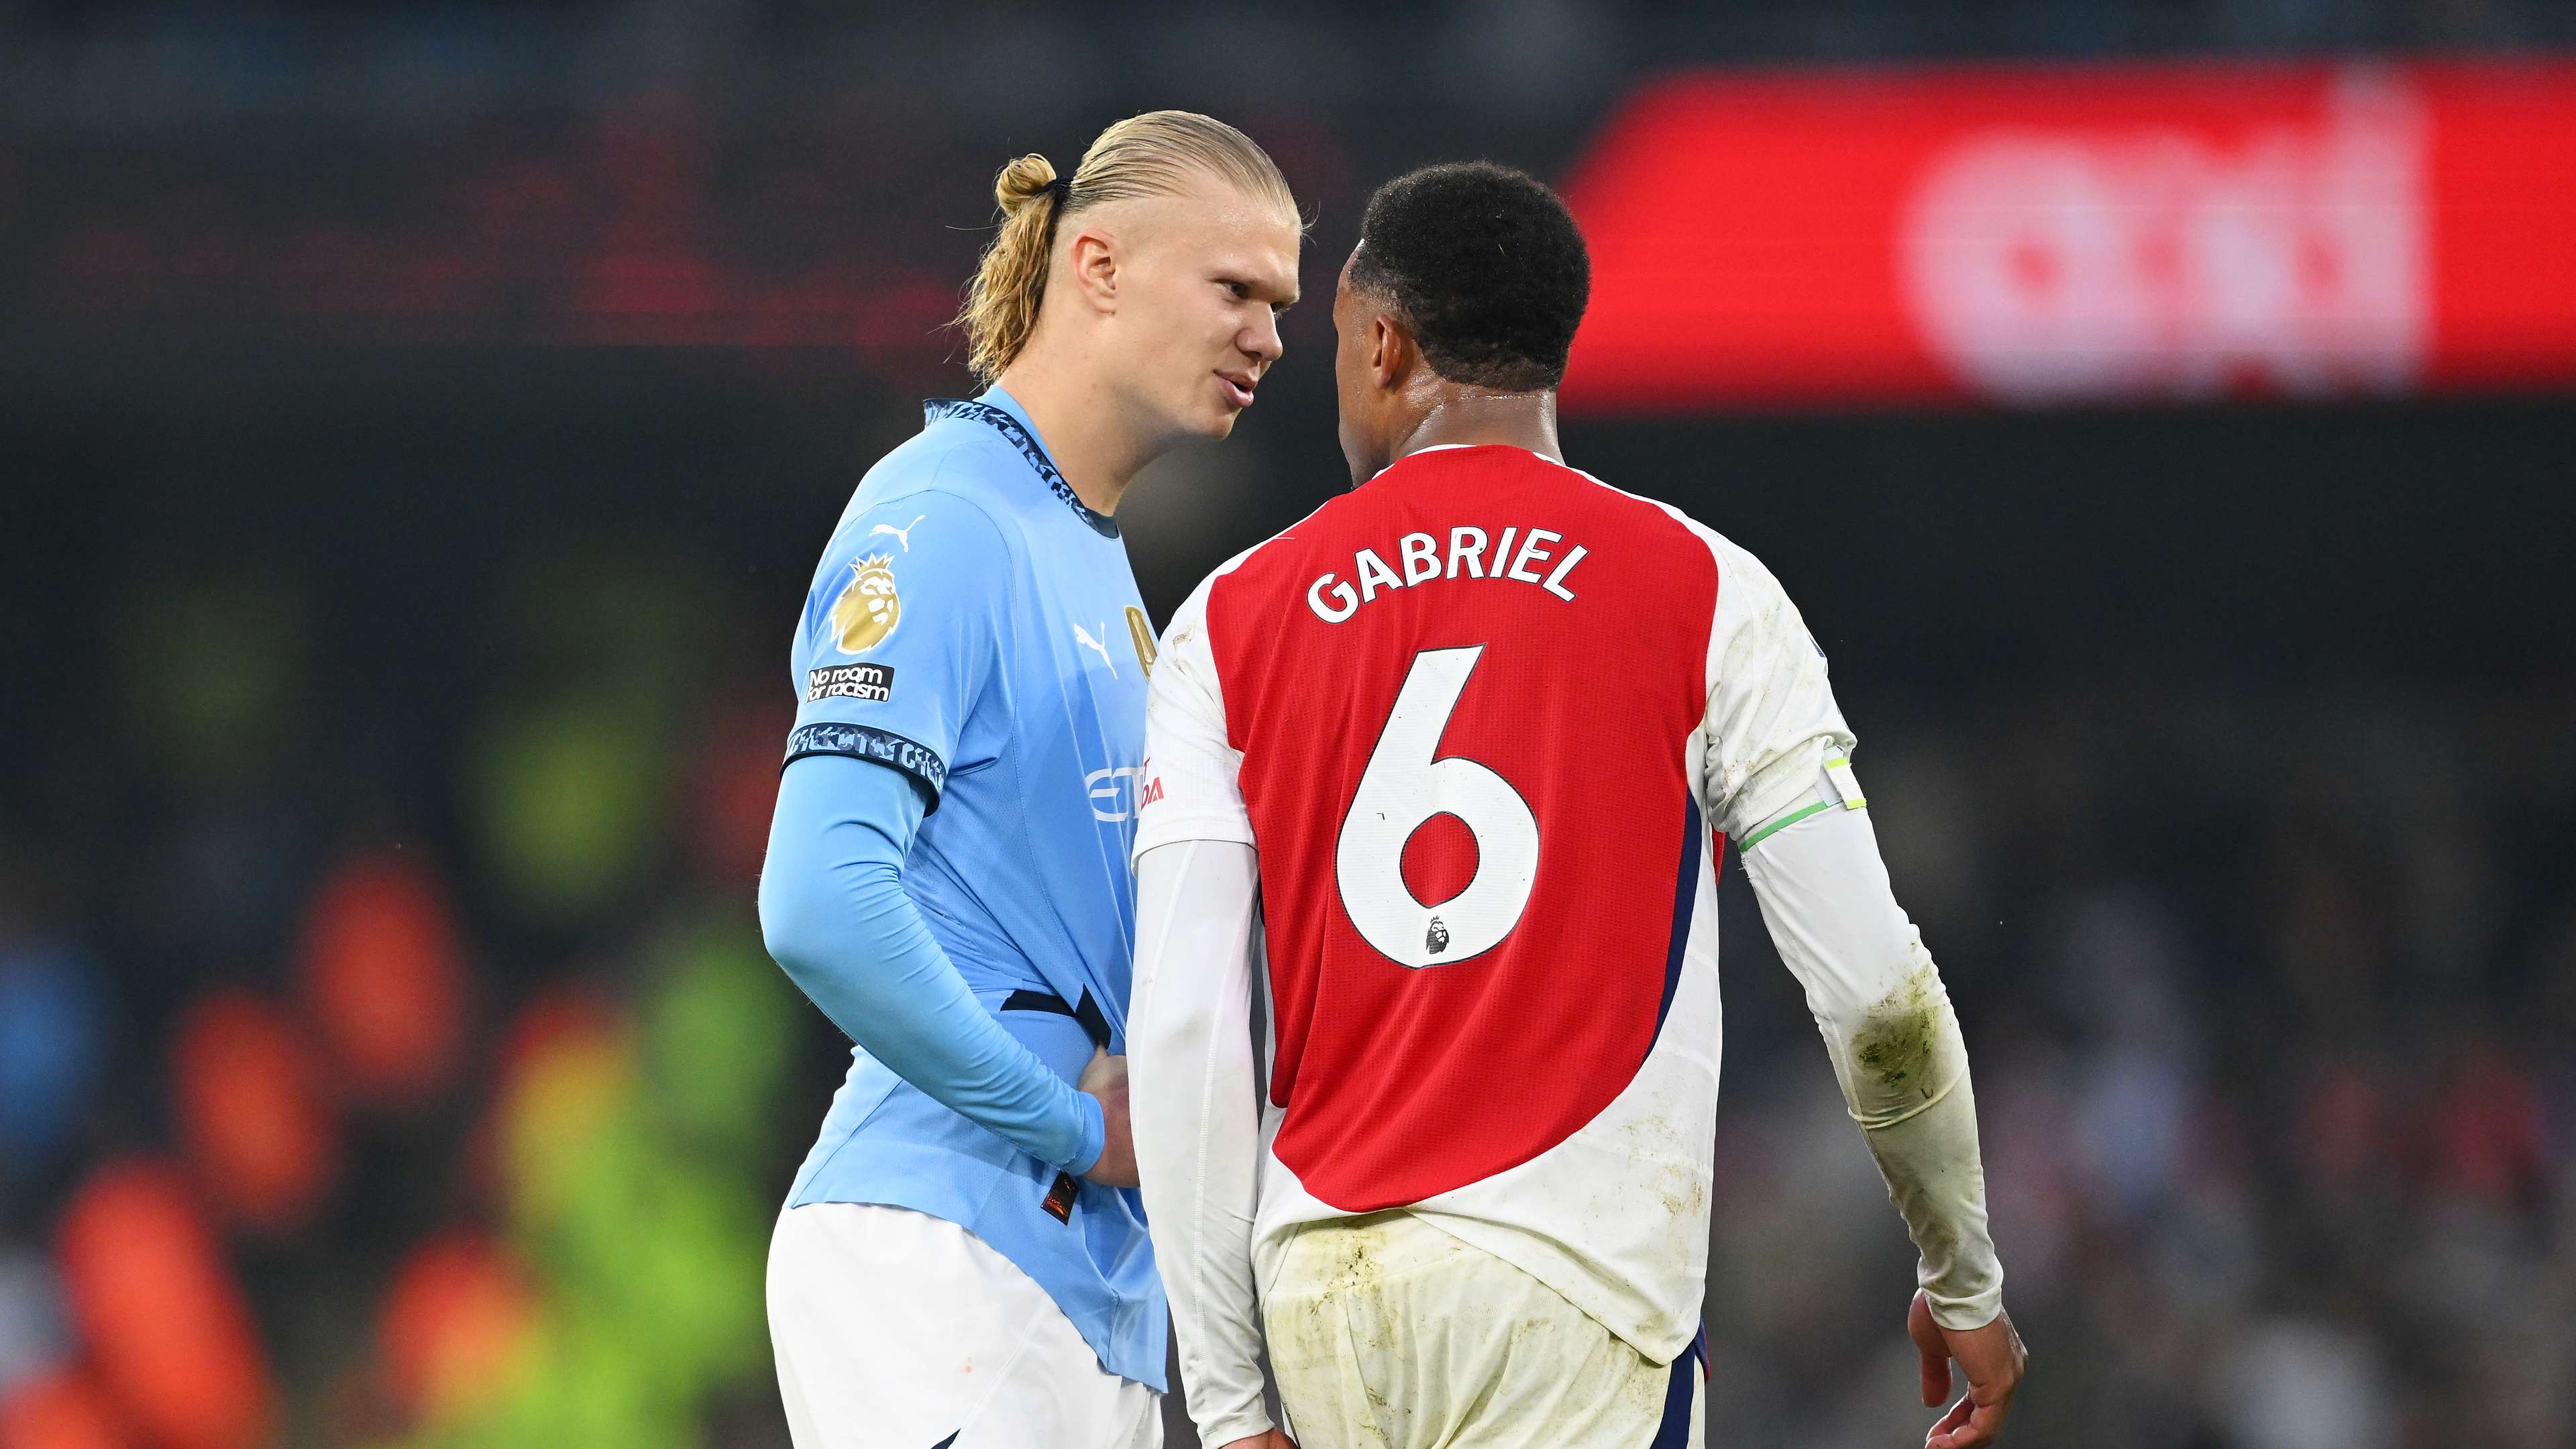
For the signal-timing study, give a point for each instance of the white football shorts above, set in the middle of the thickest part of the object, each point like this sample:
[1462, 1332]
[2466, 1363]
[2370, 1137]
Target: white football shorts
[898, 1330]
[1386, 1331]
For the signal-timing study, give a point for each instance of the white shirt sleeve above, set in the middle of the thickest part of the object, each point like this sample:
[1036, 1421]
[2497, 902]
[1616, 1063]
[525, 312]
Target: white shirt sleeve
[1197, 1124]
[1777, 779]
[1193, 788]
[1771, 712]
[1886, 1019]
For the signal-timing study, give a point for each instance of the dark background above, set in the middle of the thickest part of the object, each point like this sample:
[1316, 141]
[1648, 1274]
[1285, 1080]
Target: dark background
[377, 506]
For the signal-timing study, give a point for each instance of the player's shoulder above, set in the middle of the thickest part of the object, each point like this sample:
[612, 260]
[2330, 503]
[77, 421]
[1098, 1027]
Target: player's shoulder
[1652, 518]
[926, 528]
[934, 488]
[908, 540]
[961, 464]
[1739, 570]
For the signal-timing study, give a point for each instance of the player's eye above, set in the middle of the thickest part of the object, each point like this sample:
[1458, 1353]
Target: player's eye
[1242, 290]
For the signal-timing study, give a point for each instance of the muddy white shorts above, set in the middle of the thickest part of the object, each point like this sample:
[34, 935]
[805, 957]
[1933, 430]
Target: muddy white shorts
[1386, 1331]
[898, 1330]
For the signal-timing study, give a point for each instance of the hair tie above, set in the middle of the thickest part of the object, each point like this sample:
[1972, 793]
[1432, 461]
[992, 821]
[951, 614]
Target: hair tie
[1061, 189]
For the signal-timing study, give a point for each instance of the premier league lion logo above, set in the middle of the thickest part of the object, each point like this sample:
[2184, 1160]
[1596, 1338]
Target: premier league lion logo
[868, 609]
[1436, 940]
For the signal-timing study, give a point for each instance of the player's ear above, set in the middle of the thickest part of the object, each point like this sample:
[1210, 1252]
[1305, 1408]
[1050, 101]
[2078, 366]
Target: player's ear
[1091, 265]
[1390, 352]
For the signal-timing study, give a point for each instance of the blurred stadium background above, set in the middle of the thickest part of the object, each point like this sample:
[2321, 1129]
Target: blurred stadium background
[418, 422]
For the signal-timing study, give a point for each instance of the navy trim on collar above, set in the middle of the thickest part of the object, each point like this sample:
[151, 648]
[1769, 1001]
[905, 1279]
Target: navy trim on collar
[1017, 432]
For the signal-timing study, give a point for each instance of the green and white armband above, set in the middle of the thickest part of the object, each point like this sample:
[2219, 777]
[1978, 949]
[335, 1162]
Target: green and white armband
[1838, 789]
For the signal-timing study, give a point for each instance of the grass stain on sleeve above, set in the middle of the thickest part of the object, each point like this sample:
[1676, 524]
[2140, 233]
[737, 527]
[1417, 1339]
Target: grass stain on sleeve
[1895, 1041]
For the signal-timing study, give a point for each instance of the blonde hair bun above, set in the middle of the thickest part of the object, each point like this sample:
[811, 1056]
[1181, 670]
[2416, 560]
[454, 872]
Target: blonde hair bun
[1023, 181]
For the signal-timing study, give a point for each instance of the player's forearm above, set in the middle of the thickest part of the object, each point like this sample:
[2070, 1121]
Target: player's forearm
[1888, 1025]
[1936, 1180]
[1197, 1127]
[835, 917]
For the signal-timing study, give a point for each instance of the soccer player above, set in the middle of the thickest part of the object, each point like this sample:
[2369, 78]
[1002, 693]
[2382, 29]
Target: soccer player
[962, 1260]
[1453, 747]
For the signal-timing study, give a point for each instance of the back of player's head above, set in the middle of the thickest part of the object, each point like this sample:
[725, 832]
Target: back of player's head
[1485, 265]
[1160, 153]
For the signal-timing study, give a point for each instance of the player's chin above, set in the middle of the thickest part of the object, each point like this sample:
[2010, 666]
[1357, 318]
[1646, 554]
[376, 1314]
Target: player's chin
[1216, 419]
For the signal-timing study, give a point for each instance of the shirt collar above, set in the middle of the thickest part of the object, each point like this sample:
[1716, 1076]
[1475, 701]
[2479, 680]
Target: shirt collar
[1002, 412]
[997, 396]
[1452, 447]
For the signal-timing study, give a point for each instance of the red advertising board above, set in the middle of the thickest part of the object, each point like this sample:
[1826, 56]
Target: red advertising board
[2028, 236]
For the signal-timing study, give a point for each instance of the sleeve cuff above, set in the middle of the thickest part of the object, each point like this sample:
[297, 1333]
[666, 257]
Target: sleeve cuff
[1094, 1138]
[1252, 1421]
[1961, 1314]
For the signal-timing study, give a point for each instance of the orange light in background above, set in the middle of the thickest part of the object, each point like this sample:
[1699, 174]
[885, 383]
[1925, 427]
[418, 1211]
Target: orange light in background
[555, 1019]
[60, 1410]
[736, 790]
[255, 1127]
[164, 1319]
[454, 1325]
[567, 1071]
[385, 979]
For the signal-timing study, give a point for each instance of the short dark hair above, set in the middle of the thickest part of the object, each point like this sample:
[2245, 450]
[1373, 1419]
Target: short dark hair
[1486, 265]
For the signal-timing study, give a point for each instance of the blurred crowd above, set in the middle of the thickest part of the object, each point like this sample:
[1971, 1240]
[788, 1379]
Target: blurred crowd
[334, 1116]
[2272, 1003]
[344, 1105]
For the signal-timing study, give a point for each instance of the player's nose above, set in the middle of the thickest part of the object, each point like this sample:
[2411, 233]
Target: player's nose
[1261, 341]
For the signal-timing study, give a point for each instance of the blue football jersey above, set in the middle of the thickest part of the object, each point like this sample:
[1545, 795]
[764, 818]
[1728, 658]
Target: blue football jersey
[975, 627]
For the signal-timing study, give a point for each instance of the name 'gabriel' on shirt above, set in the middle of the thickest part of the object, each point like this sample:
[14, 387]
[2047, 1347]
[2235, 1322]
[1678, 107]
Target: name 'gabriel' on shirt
[1422, 561]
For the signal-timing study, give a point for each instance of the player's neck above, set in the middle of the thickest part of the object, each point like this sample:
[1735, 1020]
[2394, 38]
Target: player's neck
[1466, 418]
[1084, 430]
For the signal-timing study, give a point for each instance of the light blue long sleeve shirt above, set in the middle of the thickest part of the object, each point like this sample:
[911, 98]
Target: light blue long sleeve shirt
[833, 910]
[948, 877]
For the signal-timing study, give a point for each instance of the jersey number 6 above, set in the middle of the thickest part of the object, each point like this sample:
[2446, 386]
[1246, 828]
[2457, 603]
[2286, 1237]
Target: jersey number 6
[1404, 786]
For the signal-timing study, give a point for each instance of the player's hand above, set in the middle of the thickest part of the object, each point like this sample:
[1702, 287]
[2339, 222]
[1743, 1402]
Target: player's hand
[1993, 1359]
[1266, 1439]
[1106, 1079]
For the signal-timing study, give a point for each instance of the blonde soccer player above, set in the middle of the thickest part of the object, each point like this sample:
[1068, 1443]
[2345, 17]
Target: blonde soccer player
[963, 1261]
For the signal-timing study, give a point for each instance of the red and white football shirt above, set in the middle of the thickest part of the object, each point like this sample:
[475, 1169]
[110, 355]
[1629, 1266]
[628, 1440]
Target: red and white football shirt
[1479, 719]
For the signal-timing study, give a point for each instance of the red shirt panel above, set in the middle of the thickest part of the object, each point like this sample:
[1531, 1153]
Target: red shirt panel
[1398, 1082]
